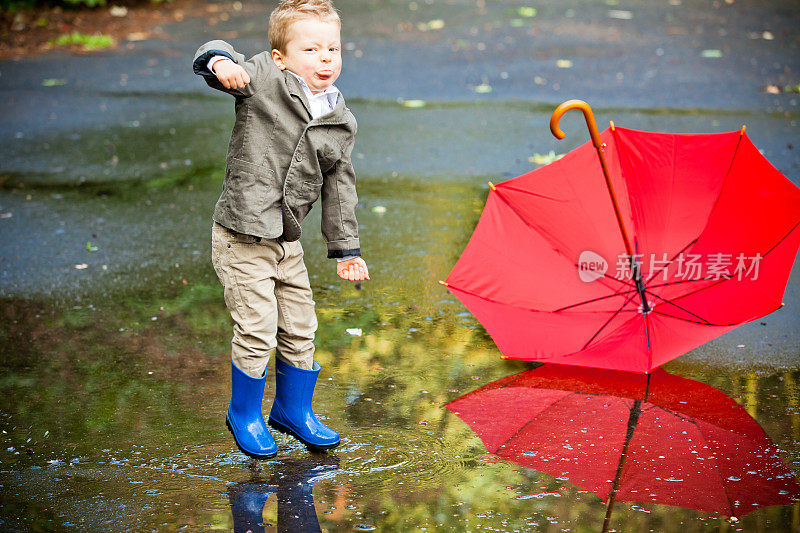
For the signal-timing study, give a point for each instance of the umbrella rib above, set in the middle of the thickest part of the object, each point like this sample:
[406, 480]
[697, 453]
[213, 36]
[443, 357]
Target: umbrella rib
[693, 422]
[722, 279]
[515, 189]
[782, 239]
[607, 322]
[668, 283]
[586, 302]
[652, 277]
[537, 230]
[665, 300]
[728, 173]
[702, 322]
[491, 300]
[671, 301]
[532, 420]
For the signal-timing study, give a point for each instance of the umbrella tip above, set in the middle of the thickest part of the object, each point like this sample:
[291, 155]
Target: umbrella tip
[491, 185]
[744, 127]
[443, 283]
[612, 125]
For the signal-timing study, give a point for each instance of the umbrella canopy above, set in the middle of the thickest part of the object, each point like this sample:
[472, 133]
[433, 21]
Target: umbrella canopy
[697, 237]
[654, 439]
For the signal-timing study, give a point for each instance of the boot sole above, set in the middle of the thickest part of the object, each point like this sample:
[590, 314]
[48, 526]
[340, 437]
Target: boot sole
[286, 430]
[249, 454]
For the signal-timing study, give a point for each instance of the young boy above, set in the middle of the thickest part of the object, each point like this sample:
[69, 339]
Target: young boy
[291, 143]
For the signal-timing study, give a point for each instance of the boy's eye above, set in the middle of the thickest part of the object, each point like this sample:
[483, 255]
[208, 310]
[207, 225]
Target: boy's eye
[334, 49]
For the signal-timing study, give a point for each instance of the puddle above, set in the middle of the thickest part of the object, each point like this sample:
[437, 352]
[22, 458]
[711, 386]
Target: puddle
[113, 379]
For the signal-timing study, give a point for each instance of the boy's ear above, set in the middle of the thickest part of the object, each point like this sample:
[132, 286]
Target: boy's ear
[277, 57]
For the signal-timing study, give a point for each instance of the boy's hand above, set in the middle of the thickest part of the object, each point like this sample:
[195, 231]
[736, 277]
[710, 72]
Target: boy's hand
[231, 75]
[353, 269]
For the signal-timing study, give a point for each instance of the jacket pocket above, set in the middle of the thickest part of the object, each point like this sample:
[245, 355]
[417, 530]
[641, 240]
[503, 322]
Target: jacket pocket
[247, 189]
[310, 189]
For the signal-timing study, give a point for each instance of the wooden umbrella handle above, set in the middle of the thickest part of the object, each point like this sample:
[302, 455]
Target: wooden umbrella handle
[598, 144]
[587, 113]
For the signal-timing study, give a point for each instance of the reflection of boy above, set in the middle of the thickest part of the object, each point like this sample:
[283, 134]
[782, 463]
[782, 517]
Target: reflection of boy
[291, 143]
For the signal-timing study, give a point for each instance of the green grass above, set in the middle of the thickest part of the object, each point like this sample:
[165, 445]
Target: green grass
[88, 42]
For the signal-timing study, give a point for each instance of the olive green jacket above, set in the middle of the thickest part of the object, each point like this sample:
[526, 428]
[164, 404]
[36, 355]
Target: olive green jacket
[280, 160]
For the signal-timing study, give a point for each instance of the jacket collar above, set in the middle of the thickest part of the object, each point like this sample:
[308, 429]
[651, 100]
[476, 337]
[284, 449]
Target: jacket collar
[337, 116]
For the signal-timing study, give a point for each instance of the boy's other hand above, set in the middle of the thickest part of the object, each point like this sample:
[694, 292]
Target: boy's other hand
[231, 75]
[353, 269]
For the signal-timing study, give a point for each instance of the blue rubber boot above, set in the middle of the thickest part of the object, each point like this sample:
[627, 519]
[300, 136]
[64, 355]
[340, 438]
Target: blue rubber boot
[244, 416]
[295, 490]
[247, 506]
[291, 411]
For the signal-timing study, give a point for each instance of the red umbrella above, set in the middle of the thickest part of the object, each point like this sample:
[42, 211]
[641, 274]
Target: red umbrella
[699, 237]
[659, 438]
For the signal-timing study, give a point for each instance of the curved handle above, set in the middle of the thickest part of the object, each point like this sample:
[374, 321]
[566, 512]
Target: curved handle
[587, 113]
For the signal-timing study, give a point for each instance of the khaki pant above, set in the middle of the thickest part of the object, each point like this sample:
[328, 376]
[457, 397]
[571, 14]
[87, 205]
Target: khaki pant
[269, 297]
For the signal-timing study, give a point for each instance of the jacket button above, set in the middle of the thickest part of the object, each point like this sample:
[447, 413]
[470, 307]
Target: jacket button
[298, 157]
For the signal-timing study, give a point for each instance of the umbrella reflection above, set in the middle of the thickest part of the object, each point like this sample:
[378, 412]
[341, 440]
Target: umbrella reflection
[292, 482]
[657, 438]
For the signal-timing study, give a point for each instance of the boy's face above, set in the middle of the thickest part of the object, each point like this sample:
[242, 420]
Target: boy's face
[313, 52]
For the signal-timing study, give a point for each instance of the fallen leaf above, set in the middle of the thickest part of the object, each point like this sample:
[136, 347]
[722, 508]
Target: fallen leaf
[355, 332]
[619, 14]
[53, 82]
[482, 88]
[526, 11]
[82, 266]
[414, 103]
[379, 209]
[564, 63]
[544, 159]
[713, 54]
[772, 89]
[436, 24]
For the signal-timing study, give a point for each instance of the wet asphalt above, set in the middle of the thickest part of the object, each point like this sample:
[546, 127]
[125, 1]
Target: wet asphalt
[135, 117]
[110, 163]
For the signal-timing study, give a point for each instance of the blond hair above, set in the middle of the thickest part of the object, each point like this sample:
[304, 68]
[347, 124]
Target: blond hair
[290, 11]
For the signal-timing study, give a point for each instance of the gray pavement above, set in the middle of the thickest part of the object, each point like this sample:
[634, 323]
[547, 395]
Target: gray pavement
[127, 151]
[115, 337]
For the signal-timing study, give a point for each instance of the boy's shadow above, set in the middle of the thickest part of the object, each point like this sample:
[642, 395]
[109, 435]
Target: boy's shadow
[293, 482]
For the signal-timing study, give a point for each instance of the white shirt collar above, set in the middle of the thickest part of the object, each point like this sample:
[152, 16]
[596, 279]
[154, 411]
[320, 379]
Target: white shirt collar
[321, 103]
